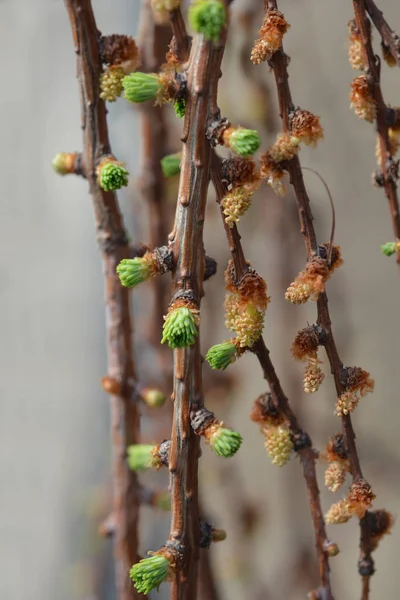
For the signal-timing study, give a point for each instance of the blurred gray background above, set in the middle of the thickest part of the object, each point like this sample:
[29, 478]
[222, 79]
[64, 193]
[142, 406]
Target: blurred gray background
[54, 420]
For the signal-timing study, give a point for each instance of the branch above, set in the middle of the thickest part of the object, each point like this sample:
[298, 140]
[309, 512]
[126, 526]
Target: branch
[114, 247]
[186, 241]
[279, 63]
[153, 41]
[389, 37]
[302, 440]
[182, 39]
[388, 167]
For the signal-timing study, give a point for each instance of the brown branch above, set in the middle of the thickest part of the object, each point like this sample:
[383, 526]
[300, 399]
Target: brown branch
[181, 37]
[114, 247]
[301, 439]
[393, 117]
[389, 168]
[279, 62]
[153, 42]
[389, 37]
[207, 586]
[186, 241]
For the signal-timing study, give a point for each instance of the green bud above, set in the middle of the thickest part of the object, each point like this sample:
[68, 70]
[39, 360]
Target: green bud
[163, 500]
[180, 328]
[244, 141]
[140, 87]
[389, 248]
[63, 163]
[149, 573]
[171, 164]
[180, 106]
[222, 355]
[133, 271]
[218, 535]
[141, 457]
[208, 17]
[112, 176]
[225, 442]
[153, 397]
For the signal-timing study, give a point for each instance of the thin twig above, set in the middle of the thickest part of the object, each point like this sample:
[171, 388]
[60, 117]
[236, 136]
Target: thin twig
[389, 168]
[279, 63]
[333, 224]
[153, 42]
[114, 247]
[306, 452]
[389, 37]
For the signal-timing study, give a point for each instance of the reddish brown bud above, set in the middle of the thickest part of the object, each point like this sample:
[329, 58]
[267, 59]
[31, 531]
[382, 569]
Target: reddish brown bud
[306, 343]
[380, 523]
[356, 379]
[306, 127]
[360, 497]
[111, 385]
[265, 412]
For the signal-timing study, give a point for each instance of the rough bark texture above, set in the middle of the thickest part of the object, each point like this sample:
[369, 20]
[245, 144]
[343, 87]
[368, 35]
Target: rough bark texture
[186, 240]
[114, 247]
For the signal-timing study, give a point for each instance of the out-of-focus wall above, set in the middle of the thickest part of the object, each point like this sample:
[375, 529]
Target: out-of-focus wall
[54, 434]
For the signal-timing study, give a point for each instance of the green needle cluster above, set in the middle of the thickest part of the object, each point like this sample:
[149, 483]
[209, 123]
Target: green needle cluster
[221, 356]
[389, 248]
[112, 176]
[180, 106]
[132, 271]
[244, 141]
[171, 164]
[225, 442]
[141, 87]
[149, 573]
[141, 457]
[180, 328]
[208, 17]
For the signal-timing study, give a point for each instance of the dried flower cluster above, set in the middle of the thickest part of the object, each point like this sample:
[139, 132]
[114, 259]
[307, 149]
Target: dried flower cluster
[306, 129]
[277, 437]
[271, 34]
[358, 383]
[339, 464]
[310, 283]
[313, 376]
[242, 179]
[273, 173]
[237, 202]
[306, 343]
[358, 501]
[278, 443]
[355, 47]
[245, 306]
[361, 99]
[335, 475]
[121, 56]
